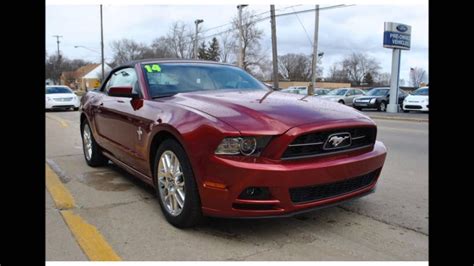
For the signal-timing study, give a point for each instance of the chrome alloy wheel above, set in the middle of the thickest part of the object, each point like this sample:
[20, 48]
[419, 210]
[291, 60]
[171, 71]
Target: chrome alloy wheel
[171, 183]
[87, 141]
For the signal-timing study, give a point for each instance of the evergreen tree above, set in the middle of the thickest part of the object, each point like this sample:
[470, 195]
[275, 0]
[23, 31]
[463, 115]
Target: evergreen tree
[213, 51]
[202, 52]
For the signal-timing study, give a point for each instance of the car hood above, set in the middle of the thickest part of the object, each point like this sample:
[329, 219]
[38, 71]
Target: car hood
[60, 95]
[266, 112]
[416, 97]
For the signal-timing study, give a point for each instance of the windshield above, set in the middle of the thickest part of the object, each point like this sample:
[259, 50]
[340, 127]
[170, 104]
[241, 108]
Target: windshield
[51, 90]
[337, 92]
[420, 91]
[170, 78]
[378, 92]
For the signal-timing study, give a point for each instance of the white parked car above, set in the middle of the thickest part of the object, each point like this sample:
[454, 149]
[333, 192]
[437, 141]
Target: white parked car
[417, 101]
[61, 97]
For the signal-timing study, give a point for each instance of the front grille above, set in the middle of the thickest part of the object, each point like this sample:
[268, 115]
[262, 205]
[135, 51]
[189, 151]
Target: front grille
[413, 106]
[312, 144]
[313, 193]
[63, 99]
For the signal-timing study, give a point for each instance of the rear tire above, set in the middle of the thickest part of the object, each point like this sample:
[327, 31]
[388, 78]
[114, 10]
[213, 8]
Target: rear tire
[92, 152]
[168, 182]
[358, 108]
[341, 102]
[76, 108]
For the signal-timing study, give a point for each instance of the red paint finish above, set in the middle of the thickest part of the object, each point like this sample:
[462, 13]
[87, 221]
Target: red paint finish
[200, 120]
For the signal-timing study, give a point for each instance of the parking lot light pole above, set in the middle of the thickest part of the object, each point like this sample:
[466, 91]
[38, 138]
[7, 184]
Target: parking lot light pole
[196, 42]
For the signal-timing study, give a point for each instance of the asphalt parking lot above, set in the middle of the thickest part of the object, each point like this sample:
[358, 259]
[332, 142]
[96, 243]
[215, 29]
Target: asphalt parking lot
[390, 224]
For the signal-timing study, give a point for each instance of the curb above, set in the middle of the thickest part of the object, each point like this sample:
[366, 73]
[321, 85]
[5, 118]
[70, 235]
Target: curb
[399, 118]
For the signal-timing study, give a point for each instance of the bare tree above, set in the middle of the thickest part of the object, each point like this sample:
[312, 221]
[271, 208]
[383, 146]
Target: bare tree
[337, 73]
[297, 67]
[228, 48]
[126, 50]
[417, 76]
[358, 65]
[55, 66]
[180, 40]
[383, 79]
[161, 49]
[252, 51]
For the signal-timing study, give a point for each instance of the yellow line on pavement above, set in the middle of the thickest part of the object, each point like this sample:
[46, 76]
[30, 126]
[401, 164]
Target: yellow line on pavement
[62, 122]
[61, 196]
[89, 238]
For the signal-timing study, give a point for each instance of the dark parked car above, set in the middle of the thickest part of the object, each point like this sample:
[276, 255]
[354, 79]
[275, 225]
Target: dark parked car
[212, 140]
[377, 98]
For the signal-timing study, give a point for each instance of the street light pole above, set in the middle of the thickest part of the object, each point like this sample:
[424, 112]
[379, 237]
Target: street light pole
[102, 44]
[197, 21]
[241, 37]
[315, 52]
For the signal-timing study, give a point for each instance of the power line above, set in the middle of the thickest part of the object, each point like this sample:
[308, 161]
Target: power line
[302, 25]
[279, 15]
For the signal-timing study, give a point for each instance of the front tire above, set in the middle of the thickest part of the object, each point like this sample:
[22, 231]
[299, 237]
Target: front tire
[341, 102]
[382, 106]
[92, 151]
[176, 186]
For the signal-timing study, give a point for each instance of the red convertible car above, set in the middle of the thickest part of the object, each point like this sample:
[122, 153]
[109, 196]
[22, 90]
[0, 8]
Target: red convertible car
[214, 141]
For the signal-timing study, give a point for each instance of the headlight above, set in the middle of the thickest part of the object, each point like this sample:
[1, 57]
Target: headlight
[242, 145]
[372, 101]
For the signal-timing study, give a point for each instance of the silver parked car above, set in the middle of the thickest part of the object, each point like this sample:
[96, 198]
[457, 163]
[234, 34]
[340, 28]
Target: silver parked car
[343, 95]
[304, 90]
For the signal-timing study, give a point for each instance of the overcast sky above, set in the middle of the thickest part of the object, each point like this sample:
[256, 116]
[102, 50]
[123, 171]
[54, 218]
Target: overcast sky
[356, 28]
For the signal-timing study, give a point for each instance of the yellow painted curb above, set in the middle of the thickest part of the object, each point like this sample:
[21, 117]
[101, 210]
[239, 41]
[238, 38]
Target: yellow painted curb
[61, 196]
[59, 120]
[89, 238]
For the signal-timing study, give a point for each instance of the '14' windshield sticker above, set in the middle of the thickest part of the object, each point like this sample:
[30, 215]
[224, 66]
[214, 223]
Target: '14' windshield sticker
[153, 68]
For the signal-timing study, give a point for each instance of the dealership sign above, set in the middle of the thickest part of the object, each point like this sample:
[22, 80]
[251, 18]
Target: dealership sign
[396, 36]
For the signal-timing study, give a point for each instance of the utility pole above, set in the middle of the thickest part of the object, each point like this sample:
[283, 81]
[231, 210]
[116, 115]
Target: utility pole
[274, 48]
[58, 60]
[102, 44]
[241, 37]
[315, 51]
[57, 41]
[197, 21]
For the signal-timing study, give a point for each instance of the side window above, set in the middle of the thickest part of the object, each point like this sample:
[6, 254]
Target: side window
[124, 77]
[350, 93]
[359, 92]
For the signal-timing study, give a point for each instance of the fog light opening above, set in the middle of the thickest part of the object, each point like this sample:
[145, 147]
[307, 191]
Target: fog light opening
[255, 193]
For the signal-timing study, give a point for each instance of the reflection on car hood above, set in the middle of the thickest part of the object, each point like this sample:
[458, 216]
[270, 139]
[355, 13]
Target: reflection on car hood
[278, 112]
[416, 97]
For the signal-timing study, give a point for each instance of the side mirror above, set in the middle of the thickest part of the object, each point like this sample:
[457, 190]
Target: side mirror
[122, 91]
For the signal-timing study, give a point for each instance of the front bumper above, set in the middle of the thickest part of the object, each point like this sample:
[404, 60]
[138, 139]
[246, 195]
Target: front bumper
[279, 177]
[62, 105]
[365, 104]
[424, 107]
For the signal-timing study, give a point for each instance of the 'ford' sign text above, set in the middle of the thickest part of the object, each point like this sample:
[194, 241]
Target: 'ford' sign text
[396, 36]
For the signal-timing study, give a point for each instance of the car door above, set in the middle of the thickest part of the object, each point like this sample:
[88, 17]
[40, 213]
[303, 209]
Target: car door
[119, 120]
[349, 97]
